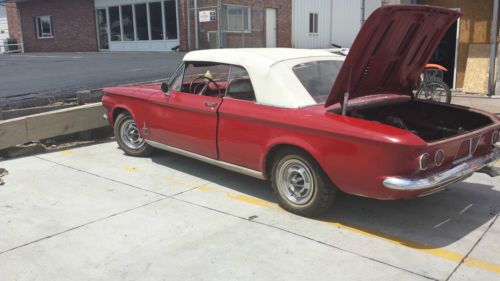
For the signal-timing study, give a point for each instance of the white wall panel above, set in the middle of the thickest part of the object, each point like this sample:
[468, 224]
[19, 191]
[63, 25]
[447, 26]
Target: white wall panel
[340, 21]
[4, 30]
[346, 21]
[300, 23]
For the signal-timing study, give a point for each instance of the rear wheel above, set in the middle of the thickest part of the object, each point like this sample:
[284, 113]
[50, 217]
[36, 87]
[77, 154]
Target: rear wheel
[436, 91]
[300, 184]
[128, 137]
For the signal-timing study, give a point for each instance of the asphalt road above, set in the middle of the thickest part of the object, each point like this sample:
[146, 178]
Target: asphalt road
[57, 74]
[92, 213]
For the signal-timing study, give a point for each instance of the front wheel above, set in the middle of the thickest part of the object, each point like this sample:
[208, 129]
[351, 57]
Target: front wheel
[300, 184]
[128, 137]
[436, 91]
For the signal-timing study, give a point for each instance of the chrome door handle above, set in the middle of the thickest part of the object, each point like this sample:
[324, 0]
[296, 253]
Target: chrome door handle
[212, 105]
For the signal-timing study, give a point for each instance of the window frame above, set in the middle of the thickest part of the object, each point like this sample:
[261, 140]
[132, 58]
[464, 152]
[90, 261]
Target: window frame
[313, 23]
[179, 71]
[38, 30]
[122, 27]
[249, 20]
[228, 84]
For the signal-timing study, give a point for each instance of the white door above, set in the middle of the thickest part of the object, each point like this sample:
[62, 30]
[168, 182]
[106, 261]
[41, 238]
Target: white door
[270, 28]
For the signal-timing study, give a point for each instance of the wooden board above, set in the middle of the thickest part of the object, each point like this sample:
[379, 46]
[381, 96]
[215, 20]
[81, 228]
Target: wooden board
[477, 69]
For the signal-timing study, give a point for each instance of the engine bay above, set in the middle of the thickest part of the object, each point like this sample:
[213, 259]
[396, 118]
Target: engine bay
[428, 120]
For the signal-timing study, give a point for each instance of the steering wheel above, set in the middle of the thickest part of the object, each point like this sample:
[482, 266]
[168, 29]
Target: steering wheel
[205, 87]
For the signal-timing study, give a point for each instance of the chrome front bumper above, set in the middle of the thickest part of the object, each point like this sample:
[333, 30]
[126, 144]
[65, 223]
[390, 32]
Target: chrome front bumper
[440, 180]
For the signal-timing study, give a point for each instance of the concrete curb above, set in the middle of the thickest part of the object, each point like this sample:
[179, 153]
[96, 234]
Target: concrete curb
[50, 124]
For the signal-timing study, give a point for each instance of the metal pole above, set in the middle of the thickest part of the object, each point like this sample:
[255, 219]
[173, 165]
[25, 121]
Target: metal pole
[196, 36]
[219, 26]
[493, 50]
[363, 4]
[188, 18]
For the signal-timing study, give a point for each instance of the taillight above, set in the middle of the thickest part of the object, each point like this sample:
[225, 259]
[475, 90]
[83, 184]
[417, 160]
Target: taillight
[439, 158]
[424, 161]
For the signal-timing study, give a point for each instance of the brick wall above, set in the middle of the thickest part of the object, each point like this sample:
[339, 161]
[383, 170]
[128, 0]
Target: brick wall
[13, 21]
[73, 25]
[255, 38]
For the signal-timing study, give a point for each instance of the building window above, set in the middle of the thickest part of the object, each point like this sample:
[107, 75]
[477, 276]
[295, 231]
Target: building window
[313, 23]
[44, 27]
[114, 24]
[171, 19]
[156, 21]
[238, 18]
[141, 20]
[127, 23]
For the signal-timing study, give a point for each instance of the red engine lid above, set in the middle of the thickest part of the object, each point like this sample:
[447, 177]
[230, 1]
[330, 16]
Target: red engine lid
[391, 50]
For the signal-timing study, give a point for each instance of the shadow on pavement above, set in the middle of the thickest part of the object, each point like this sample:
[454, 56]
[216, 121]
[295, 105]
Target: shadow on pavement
[428, 222]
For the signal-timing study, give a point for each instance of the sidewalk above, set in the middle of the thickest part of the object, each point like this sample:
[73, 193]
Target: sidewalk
[92, 213]
[490, 104]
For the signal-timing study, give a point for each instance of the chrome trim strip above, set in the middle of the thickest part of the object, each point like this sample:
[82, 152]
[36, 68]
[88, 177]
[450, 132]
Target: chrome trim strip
[222, 164]
[445, 178]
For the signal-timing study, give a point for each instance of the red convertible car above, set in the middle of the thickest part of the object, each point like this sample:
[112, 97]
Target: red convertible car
[313, 122]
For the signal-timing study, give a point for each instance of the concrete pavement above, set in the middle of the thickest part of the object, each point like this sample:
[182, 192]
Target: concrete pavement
[490, 104]
[92, 213]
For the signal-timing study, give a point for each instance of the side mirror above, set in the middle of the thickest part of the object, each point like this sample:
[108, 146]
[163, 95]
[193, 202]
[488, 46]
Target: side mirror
[164, 87]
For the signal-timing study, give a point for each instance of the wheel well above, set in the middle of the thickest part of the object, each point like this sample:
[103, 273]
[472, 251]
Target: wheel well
[271, 154]
[118, 111]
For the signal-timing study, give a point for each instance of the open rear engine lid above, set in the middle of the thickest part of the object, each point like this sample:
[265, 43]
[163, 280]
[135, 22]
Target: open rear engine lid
[391, 50]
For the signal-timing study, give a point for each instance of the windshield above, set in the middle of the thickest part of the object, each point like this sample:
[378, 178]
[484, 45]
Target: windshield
[318, 77]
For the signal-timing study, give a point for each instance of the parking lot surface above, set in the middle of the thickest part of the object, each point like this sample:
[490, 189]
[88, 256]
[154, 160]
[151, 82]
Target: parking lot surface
[56, 74]
[92, 213]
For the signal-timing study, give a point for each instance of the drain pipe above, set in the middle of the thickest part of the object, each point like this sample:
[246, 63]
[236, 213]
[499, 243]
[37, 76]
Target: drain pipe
[493, 50]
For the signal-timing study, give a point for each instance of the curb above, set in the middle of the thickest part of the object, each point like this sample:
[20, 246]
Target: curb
[51, 124]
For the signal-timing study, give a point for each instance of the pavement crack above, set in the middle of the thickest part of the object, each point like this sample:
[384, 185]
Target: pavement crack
[303, 236]
[102, 177]
[83, 225]
[472, 248]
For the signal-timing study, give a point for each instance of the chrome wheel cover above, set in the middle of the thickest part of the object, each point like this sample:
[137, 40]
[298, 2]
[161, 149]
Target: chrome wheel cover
[295, 181]
[130, 136]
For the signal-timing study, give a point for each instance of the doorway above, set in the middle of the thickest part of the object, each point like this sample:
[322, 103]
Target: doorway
[270, 28]
[446, 53]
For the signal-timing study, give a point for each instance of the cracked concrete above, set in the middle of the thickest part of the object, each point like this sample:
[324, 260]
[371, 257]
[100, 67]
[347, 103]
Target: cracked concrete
[92, 213]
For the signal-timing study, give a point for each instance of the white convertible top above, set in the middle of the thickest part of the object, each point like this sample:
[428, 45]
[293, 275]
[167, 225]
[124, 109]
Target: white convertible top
[270, 70]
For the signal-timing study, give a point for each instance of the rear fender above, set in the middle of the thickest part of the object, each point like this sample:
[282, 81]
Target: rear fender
[294, 142]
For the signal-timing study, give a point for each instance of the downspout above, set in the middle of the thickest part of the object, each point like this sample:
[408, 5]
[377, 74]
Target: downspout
[493, 50]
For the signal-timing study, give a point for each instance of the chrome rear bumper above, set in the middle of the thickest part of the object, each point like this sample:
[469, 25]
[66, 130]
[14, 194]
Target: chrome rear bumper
[442, 179]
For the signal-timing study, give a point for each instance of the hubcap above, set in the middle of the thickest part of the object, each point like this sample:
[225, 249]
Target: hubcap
[296, 182]
[130, 136]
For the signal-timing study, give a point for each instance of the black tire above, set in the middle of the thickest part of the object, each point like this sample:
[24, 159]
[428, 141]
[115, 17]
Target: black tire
[142, 149]
[323, 191]
[438, 92]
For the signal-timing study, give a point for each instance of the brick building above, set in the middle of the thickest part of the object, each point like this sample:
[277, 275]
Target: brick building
[147, 25]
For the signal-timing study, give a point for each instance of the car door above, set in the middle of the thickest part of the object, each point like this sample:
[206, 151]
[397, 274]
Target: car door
[187, 117]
